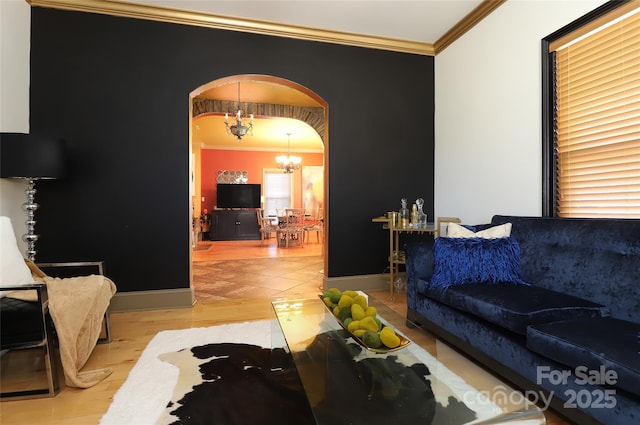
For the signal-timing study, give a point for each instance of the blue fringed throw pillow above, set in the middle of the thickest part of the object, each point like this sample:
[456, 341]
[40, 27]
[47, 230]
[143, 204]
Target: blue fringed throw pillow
[459, 261]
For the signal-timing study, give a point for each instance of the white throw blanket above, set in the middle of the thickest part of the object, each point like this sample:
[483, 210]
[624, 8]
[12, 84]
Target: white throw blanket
[77, 306]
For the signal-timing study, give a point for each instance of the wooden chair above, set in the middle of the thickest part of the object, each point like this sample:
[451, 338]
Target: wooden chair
[443, 221]
[292, 229]
[314, 222]
[266, 226]
[280, 215]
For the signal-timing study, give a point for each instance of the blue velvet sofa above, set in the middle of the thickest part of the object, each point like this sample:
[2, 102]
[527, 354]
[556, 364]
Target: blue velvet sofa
[568, 326]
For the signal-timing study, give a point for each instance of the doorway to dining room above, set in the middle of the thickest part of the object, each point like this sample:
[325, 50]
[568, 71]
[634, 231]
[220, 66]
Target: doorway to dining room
[235, 268]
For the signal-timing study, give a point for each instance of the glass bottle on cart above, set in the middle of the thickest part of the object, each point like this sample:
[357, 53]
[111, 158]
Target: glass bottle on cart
[422, 217]
[404, 213]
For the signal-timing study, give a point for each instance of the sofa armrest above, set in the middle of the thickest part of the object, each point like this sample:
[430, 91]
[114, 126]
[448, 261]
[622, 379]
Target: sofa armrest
[419, 265]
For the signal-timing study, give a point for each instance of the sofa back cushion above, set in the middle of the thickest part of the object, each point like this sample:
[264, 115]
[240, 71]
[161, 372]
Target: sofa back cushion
[595, 259]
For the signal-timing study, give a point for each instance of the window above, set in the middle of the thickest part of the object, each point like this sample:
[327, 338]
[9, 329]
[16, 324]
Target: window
[277, 190]
[592, 114]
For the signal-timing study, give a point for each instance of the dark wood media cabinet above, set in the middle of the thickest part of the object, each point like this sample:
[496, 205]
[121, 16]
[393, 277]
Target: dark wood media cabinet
[234, 225]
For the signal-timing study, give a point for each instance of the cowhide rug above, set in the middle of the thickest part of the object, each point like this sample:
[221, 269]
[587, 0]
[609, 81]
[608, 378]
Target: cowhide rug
[224, 375]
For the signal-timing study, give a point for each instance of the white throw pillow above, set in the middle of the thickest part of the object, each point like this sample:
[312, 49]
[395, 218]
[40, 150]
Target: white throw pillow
[13, 269]
[455, 230]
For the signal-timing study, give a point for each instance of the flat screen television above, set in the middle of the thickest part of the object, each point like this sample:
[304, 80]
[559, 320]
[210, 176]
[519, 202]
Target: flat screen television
[238, 195]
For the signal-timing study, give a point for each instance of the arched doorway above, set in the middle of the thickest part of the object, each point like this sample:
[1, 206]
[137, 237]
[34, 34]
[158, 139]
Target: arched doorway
[277, 105]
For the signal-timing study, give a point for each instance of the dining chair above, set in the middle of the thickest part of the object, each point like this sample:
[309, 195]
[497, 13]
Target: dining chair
[266, 226]
[292, 229]
[314, 222]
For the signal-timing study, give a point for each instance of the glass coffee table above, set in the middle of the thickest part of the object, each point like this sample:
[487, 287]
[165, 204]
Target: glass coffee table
[346, 383]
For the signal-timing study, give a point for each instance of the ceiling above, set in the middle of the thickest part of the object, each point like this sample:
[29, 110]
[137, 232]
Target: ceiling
[423, 21]
[416, 21]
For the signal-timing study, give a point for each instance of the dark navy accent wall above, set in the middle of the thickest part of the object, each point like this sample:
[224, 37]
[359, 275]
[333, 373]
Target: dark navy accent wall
[117, 89]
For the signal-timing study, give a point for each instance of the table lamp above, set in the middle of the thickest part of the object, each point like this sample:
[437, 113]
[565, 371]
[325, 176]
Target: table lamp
[31, 157]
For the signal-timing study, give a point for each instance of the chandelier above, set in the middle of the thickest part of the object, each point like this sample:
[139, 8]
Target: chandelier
[239, 130]
[288, 162]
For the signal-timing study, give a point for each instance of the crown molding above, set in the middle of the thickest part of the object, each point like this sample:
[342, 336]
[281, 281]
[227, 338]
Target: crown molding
[468, 22]
[156, 13]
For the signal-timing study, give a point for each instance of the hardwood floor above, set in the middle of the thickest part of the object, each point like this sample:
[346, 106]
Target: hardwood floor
[246, 277]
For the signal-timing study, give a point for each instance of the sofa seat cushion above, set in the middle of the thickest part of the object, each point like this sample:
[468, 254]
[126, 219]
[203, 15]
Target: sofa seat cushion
[513, 307]
[608, 343]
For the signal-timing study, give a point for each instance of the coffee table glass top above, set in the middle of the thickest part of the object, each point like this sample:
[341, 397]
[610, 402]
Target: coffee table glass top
[347, 384]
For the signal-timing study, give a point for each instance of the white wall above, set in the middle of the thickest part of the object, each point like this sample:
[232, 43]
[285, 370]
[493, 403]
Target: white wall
[488, 128]
[15, 28]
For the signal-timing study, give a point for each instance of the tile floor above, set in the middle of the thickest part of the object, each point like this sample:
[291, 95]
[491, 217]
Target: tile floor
[249, 269]
[257, 278]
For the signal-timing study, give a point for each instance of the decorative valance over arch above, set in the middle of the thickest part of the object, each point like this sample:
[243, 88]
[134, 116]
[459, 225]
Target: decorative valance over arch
[314, 116]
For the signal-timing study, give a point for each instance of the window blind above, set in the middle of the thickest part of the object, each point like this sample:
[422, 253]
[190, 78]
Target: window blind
[597, 119]
[277, 191]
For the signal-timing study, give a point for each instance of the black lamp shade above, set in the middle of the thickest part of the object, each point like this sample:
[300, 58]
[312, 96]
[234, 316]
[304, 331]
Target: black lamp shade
[31, 156]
